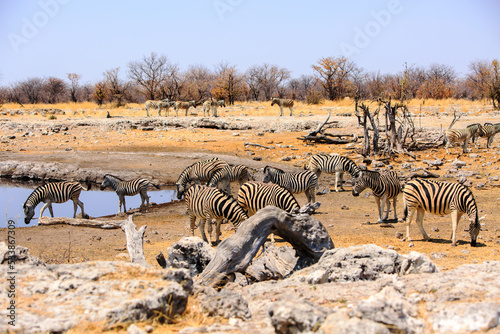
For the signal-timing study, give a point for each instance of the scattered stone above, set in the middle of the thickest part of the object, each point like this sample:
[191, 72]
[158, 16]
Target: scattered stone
[466, 317]
[405, 165]
[293, 316]
[191, 253]
[257, 158]
[459, 164]
[226, 304]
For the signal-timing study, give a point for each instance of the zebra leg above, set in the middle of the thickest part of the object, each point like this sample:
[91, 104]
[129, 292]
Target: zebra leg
[385, 202]
[291, 111]
[75, 206]
[380, 208]
[409, 217]
[217, 231]
[394, 202]
[120, 203]
[447, 145]
[455, 219]
[420, 220]
[465, 146]
[202, 229]
[281, 110]
[44, 207]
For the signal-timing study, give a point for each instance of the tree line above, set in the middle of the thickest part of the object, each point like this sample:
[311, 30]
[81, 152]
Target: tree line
[154, 77]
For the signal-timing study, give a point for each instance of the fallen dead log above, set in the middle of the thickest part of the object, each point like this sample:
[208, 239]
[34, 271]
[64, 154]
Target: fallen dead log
[425, 174]
[306, 235]
[80, 222]
[258, 145]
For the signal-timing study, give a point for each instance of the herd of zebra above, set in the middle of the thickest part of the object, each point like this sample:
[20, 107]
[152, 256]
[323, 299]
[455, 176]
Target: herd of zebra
[214, 202]
[209, 106]
[471, 133]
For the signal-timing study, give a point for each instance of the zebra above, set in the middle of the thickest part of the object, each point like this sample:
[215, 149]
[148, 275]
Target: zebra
[210, 105]
[462, 135]
[164, 105]
[333, 164]
[54, 192]
[254, 196]
[385, 186]
[128, 188]
[439, 198]
[154, 104]
[229, 174]
[183, 105]
[282, 103]
[488, 131]
[207, 203]
[198, 172]
[296, 182]
[221, 103]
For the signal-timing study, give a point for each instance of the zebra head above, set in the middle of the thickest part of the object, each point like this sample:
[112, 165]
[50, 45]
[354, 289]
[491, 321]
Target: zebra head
[181, 189]
[273, 101]
[106, 182]
[359, 185]
[29, 212]
[474, 229]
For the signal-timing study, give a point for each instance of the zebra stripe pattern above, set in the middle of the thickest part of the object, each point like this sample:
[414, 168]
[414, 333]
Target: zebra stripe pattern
[283, 103]
[304, 181]
[229, 174]
[385, 186]
[54, 192]
[489, 130]
[207, 203]
[201, 171]
[333, 164]
[462, 135]
[440, 198]
[210, 105]
[128, 188]
[183, 105]
[157, 105]
[254, 196]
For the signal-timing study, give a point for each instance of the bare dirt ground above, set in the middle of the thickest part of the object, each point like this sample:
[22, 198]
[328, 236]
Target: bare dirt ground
[93, 141]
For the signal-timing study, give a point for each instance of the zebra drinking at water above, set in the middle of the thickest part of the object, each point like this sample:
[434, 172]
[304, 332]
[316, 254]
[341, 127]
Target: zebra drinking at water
[488, 131]
[155, 104]
[128, 188]
[296, 182]
[183, 105]
[440, 198]
[462, 135]
[385, 186]
[229, 174]
[333, 164]
[198, 172]
[54, 192]
[282, 103]
[207, 203]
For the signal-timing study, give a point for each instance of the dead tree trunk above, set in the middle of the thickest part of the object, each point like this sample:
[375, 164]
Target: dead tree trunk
[362, 120]
[135, 241]
[80, 222]
[306, 234]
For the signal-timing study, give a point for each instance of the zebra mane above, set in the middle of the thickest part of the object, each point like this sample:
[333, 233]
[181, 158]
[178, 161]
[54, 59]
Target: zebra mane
[112, 176]
[183, 176]
[267, 168]
[32, 196]
[474, 124]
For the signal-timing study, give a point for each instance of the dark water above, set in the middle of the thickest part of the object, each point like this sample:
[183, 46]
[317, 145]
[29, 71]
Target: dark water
[96, 203]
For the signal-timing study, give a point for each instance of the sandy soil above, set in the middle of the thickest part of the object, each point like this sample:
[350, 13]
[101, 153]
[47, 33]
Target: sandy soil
[162, 154]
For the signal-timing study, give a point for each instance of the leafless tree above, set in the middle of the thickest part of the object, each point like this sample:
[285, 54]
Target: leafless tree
[439, 82]
[198, 82]
[32, 89]
[267, 80]
[334, 74]
[149, 73]
[173, 85]
[228, 84]
[484, 79]
[116, 88]
[74, 80]
[55, 89]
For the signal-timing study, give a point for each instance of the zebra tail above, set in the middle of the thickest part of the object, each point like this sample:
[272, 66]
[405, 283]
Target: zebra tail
[405, 212]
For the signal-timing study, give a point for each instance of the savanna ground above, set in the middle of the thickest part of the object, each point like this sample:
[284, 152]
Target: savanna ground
[162, 155]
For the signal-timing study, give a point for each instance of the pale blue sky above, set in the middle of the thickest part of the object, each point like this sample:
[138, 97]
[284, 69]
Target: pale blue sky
[54, 37]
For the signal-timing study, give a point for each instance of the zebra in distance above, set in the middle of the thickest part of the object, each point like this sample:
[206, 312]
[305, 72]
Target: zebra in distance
[128, 188]
[164, 105]
[229, 174]
[385, 186]
[297, 182]
[210, 105]
[333, 164]
[154, 104]
[488, 131]
[207, 203]
[462, 135]
[54, 192]
[221, 103]
[201, 171]
[282, 103]
[440, 198]
[183, 105]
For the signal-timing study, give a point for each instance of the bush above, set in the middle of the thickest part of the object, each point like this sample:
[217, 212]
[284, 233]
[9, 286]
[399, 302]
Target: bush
[314, 97]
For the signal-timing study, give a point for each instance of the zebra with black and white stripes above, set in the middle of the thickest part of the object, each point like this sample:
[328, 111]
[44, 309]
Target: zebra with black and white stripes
[282, 103]
[201, 171]
[183, 105]
[156, 104]
[207, 203]
[296, 182]
[333, 164]
[488, 131]
[385, 186]
[128, 188]
[462, 135]
[54, 192]
[254, 196]
[210, 105]
[227, 175]
[440, 198]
